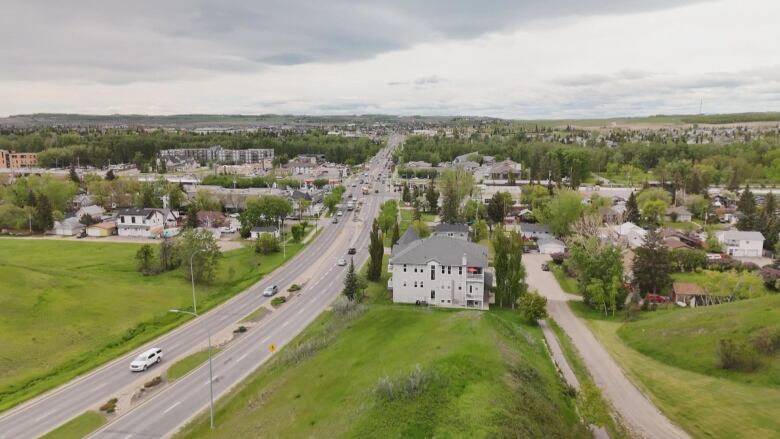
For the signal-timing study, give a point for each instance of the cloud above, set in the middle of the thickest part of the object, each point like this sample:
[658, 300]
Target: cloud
[420, 82]
[114, 41]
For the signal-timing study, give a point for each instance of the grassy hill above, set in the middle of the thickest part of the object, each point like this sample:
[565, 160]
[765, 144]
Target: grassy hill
[66, 307]
[403, 371]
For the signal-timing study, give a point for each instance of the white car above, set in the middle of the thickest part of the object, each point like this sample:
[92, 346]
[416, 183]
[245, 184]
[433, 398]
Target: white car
[339, 213]
[146, 359]
[342, 262]
[270, 290]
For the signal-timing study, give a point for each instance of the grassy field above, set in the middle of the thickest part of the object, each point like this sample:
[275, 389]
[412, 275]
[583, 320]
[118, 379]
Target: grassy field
[77, 427]
[407, 215]
[699, 277]
[186, 364]
[568, 284]
[670, 356]
[453, 374]
[67, 307]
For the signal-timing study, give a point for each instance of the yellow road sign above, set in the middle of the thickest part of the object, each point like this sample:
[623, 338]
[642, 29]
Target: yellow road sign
[272, 347]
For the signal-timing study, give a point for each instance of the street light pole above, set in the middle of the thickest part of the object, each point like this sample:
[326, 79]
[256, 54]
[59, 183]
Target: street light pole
[192, 278]
[211, 374]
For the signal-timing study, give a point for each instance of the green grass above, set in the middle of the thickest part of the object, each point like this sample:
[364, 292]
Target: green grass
[568, 284]
[377, 292]
[67, 307]
[188, 363]
[699, 277]
[689, 226]
[676, 371]
[591, 405]
[257, 315]
[488, 374]
[77, 427]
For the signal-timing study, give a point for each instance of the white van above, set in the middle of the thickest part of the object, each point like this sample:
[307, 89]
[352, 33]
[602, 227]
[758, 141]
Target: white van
[146, 359]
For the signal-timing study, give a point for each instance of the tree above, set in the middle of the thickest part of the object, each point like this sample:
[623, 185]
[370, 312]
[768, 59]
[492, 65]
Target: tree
[376, 251]
[632, 209]
[202, 248]
[652, 265]
[297, 232]
[265, 210]
[350, 282]
[499, 206]
[479, 230]
[87, 220]
[167, 255]
[510, 271]
[599, 268]
[747, 207]
[653, 211]
[396, 234]
[454, 185]
[144, 256]
[303, 205]
[422, 229]
[43, 219]
[433, 198]
[110, 175]
[73, 176]
[405, 195]
[266, 243]
[388, 215]
[535, 196]
[533, 306]
[562, 211]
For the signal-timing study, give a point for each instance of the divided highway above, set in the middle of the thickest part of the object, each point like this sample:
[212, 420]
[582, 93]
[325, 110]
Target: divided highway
[163, 413]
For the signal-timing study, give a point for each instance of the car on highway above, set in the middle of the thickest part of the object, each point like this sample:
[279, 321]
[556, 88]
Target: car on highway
[270, 290]
[146, 359]
[342, 262]
[352, 251]
[545, 266]
[339, 213]
[335, 220]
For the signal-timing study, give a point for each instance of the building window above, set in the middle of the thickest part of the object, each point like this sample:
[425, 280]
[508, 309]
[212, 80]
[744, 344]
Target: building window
[460, 271]
[442, 269]
[449, 269]
[470, 289]
[415, 284]
[133, 219]
[404, 283]
[433, 272]
[421, 284]
[404, 268]
[433, 295]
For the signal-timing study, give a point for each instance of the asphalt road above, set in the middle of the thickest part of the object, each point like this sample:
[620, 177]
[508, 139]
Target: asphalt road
[167, 410]
[635, 408]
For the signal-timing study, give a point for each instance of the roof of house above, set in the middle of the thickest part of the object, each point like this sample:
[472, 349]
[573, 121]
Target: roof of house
[93, 210]
[446, 227]
[534, 228]
[105, 225]
[673, 242]
[678, 210]
[264, 229]
[410, 235]
[136, 211]
[443, 249]
[740, 235]
[548, 241]
[505, 166]
[70, 221]
[686, 289]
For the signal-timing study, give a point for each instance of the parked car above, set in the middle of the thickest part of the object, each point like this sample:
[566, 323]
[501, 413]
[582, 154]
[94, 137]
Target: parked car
[657, 298]
[339, 213]
[545, 267]
[146, 359]
[270, 290]
[342, 262]
[335, 220]
[352, 251]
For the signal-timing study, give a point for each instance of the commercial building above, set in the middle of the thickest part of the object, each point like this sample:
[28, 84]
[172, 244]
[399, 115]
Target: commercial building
[12, 159]
[219, 155]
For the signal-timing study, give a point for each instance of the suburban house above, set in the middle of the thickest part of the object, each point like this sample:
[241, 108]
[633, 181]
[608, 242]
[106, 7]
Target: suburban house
[94, 211]
[106, 228]
[535, 231]
[211, 219]
[679, 213]
[742, 243]
[460, 231]
[502, 170]
[549, 246]
[145, 223]
[628, 234]
[439, 270]
[68, 227]
[257, 231]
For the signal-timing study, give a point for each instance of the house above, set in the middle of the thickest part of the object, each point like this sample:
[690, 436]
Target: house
[211, 219]
[68, 227]
[141, 222]
[742, 243]
[628, 233]
[257, 231]
[550, 245]
[535, 231]
[440, 271]
[502, 170]
[460, 231]
[94, 211]
[679, 213]
[106, 228]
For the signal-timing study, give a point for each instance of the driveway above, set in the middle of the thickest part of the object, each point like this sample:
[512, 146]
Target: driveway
[636, 410]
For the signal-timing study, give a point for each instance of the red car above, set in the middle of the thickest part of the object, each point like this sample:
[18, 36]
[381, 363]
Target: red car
[656, 298]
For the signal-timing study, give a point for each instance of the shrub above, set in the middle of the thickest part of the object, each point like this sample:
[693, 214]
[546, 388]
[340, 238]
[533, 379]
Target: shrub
[278, 301]
[558, 258]
[109, 406]
[294, 287]
[406, 386]
[632, 312]
[266, 244]
[767, 341]
[533, 306]
[154, 382]
[240, 330]
[749, 266]
[733, 356]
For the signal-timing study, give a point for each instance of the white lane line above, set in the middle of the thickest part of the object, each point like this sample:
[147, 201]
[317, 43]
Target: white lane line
[265, 339]
[99, 386]
[45, 415]
[285, 323]
[128, 436]
[171, 407]
[241, 357]
[299, 311]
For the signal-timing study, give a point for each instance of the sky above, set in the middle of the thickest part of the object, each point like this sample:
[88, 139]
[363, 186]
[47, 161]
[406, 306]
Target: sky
[526, 59]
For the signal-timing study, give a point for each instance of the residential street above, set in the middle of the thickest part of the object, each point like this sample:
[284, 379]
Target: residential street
[635, 408]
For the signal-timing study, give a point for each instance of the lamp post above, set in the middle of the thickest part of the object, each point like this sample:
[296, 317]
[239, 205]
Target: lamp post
[211, 375]
[192, 278]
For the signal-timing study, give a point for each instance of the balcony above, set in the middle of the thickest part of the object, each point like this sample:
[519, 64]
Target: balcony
[475, 276]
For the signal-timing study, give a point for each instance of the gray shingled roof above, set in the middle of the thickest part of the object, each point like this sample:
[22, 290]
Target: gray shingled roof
[442, 249]
[738, 235]
[457, 228]
[409, 236]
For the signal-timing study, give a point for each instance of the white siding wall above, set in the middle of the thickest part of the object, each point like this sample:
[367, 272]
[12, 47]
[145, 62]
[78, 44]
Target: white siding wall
[450, 287]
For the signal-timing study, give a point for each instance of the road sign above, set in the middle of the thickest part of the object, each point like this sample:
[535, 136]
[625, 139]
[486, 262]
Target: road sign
[272, 347]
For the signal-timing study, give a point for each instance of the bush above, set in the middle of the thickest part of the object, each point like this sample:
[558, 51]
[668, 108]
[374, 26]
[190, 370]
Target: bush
[749, 266]
[294, 287]
[109, 406]
[266, 243]
[405, 386]
[767, 341]
[733, 356]
[240, 330]
[278, 301]
[533, 306]
[154, 382]
[558, 258]
[632, 312]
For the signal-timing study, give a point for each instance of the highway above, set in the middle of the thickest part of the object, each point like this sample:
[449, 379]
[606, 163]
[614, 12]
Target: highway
[164, 412]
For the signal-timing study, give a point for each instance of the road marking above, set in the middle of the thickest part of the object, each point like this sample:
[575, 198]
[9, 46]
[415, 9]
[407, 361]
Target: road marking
[285, 323]
[44, 415]
[264, 340]
[241, 357]
[299, 311]
[128, 436]
[171, 407]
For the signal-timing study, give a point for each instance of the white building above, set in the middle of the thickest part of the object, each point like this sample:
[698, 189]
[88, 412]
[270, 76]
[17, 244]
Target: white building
[95, 211]
[627, 233]
[460, 231]
[256, 232]
[550, 245]
[742, 243]
[68, 227]
[535, 231]
[144, 223]
[440, 270]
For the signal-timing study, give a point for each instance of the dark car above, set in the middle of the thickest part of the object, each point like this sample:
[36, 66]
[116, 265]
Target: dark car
[352, 251]
[545, 267]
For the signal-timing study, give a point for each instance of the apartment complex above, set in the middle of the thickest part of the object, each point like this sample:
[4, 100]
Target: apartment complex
[219, 154]
[13, 159]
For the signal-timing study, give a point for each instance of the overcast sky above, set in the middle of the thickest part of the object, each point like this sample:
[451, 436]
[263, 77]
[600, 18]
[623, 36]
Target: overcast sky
[504, 58]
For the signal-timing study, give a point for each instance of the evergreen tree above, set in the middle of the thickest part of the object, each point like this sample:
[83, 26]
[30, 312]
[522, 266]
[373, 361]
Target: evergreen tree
[74, 176]
[652, 265]
[416, 214]
[396, 235]
[433, 198]
[632, 209]
[747, 207]
[405, 195]
[450, 204]
[376, 251]
[350, 282]
[43, 219]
